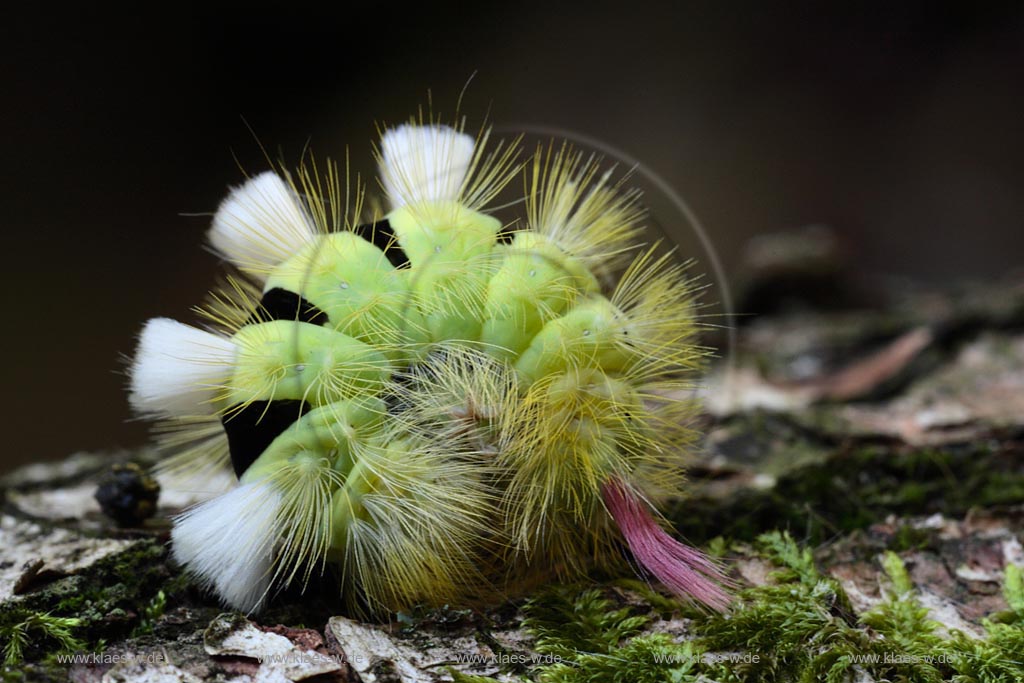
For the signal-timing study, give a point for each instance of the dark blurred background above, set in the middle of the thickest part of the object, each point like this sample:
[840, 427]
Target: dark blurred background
[897, 124]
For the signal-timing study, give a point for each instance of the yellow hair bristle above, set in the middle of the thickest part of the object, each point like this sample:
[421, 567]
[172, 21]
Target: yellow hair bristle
[415, 505]
[194, 450]
[459, 385]
[559, 446]
[335, 202]
[303, 525]
[281, 360]
[577, 206]
[231, 303]
[659, 303]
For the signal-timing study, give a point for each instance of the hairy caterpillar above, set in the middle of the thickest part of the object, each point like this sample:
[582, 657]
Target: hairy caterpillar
[437, 403]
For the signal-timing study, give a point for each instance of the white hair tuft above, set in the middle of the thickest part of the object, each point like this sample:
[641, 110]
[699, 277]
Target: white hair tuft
[177, 369]
[227, 543]
[424, 163]
[260, 224]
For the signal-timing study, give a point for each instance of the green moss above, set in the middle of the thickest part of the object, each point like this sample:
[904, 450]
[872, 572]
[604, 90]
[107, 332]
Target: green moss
[847, 489]
[997, 658]
[35, 628]
[665, 606]
[221, 628]
[150, 614]
[717, 547]
[795, 563]
[651, 658]
[565, 622]
[1013, 589]
[904, 626]
[591, 640]
[908, 537]
[798, 627]
[789, 624]
[459, 677]
[102, 603]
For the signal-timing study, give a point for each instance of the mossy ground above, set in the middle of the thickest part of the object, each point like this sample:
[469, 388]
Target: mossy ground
[800, 626]
[84, 612]
[844, 485]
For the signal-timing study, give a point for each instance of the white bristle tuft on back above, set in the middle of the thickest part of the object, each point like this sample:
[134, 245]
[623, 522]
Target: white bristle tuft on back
[260, 224]
[178, 369]
[424, 163]
[227, 543]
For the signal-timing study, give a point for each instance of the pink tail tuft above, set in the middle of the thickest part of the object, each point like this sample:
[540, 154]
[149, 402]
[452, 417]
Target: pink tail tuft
[689, 573]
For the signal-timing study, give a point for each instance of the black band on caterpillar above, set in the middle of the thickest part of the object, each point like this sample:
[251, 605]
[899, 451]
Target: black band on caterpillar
[280, 304]
[381, 235]
[252, 427]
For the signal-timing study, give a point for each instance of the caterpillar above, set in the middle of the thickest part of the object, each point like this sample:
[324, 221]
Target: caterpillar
[439, 405]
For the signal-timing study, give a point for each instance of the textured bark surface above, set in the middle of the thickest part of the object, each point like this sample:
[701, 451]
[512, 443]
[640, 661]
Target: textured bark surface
[858, 431]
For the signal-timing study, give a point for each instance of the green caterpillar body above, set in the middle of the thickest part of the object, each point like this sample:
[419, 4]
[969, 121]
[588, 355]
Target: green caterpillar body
[541, 313]
[359, 291]
[439, 407]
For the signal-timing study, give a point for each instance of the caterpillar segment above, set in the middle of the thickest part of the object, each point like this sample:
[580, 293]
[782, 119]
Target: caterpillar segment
[354, 289]
[440, 406]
